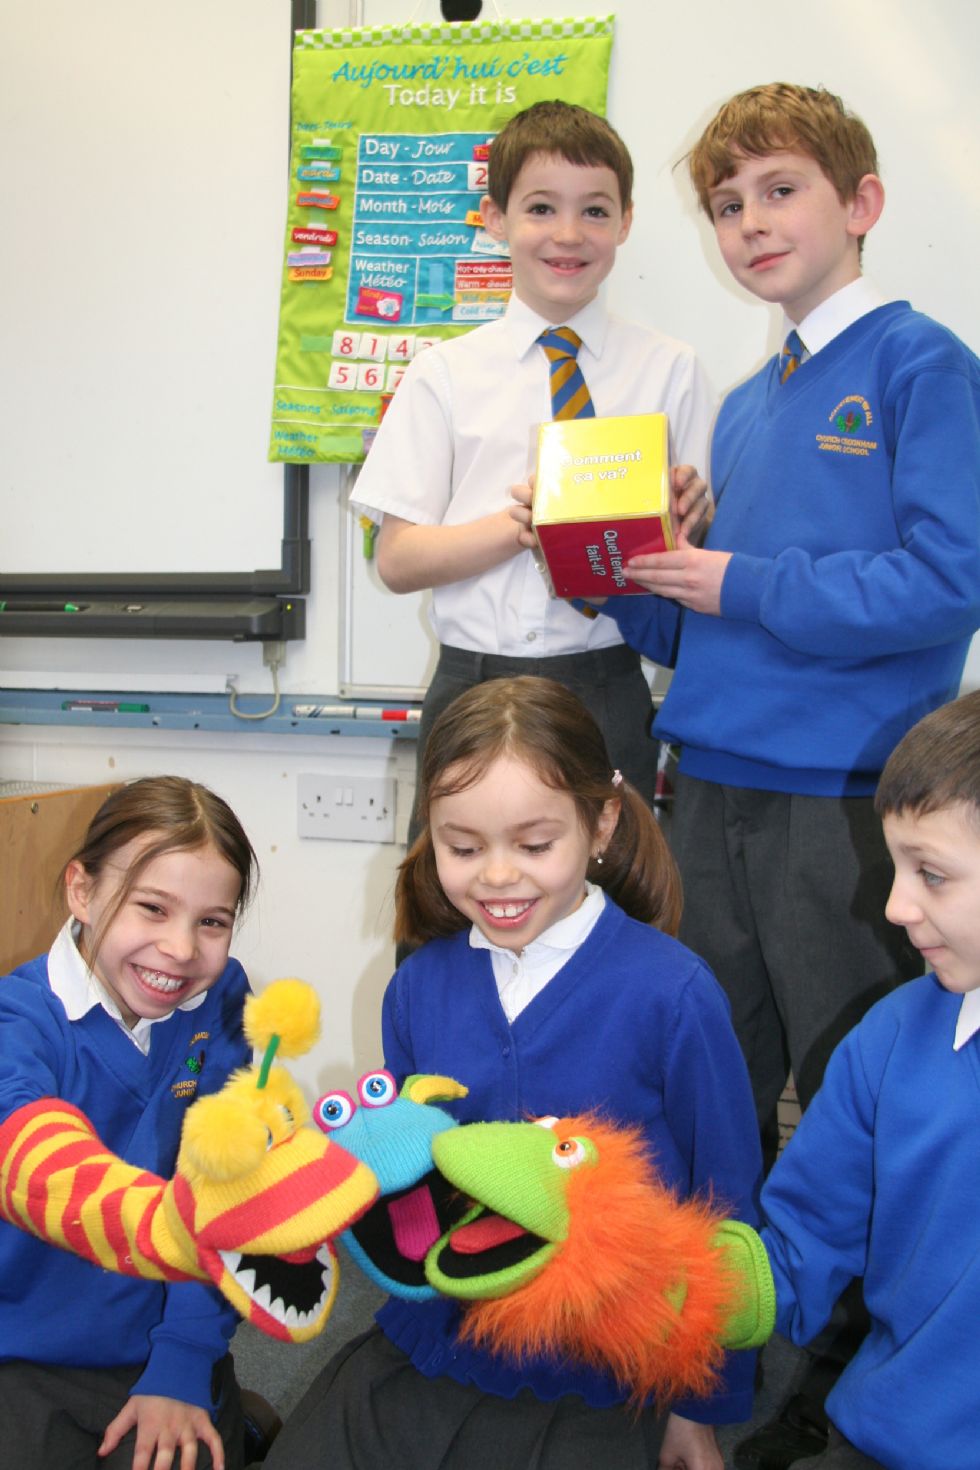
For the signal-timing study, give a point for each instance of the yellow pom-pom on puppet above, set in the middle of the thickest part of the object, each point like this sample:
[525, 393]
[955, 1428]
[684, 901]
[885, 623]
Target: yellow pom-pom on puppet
[285, 1017]
[226, 1135]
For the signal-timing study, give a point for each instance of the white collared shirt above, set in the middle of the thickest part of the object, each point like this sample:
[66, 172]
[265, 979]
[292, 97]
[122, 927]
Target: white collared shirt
[968, 1021]
[79, 988]
[462, 429]
[520, 977]
[833, 316]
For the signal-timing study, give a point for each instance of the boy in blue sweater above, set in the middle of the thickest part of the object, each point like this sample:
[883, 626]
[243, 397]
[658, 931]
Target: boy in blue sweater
[831, 606]
[896, 1120]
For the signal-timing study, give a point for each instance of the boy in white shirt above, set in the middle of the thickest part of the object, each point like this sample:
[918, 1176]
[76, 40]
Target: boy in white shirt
[461, 427]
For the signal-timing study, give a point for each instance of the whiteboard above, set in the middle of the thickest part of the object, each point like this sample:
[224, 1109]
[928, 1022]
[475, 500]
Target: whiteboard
[143, 168]
[143, 161]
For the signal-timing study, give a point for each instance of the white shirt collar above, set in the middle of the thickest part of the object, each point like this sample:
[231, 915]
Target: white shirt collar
[525, 326]
[968, 1021]
[833, 316]
[79, 988]
[520, 977]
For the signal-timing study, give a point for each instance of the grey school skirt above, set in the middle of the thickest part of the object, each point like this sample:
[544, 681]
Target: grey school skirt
[370, 1408]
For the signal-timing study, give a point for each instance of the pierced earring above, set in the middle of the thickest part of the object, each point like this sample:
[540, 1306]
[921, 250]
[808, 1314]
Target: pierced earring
[598, 859]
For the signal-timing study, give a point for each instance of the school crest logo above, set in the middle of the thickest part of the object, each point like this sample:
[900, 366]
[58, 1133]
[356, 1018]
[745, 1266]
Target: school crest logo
[850, 422]
[194, 1062]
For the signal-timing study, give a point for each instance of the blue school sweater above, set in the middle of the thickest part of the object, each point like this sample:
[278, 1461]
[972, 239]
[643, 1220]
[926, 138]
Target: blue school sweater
[882, 1180]
[54, 1307]
[850, 500]
[634, 1026]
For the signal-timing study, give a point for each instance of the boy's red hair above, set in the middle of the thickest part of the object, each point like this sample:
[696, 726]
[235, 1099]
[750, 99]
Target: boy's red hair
[780, 117]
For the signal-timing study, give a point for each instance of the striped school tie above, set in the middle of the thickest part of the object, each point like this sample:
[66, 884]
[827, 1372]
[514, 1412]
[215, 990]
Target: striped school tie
[570, 397]
[791, 355]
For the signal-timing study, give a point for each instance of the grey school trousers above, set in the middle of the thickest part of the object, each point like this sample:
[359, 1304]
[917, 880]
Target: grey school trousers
[784, 897]
[52, 1418]
[840, 1454]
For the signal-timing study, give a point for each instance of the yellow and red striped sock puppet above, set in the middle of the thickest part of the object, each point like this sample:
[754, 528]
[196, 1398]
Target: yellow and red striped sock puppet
[255, 1199]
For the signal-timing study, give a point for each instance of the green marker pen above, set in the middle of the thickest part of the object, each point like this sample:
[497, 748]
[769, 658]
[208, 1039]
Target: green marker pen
[106, 706]
[42, 607]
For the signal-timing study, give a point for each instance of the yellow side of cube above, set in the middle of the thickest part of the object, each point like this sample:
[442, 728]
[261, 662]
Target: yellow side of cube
[602, 467]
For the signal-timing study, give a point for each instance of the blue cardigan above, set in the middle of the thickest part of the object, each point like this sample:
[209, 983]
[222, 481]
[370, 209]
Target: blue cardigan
[882, 1180]
[850, 500]
[54, 1307]
[635, 1026]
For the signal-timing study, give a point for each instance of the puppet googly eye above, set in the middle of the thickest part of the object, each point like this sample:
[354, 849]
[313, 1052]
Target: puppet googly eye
[377, 1089]
[570, 1153]
[333, 1110]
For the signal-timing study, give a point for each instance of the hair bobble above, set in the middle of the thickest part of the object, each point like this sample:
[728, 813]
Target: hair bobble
[617, 778]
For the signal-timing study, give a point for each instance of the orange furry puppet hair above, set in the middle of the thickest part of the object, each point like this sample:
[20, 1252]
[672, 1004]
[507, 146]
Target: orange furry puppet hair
[638, 1286]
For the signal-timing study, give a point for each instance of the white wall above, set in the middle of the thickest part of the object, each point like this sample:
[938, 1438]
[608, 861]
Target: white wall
[323, 910]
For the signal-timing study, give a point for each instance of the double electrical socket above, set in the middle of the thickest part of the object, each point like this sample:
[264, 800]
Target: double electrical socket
[346, 808]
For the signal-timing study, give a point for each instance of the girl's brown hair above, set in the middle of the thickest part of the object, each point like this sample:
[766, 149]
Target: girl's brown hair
[181, 815]
[545, 725]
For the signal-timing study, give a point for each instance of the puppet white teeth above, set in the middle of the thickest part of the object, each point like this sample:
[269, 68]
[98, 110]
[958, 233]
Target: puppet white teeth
[290, 1316]
[247, 1281]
